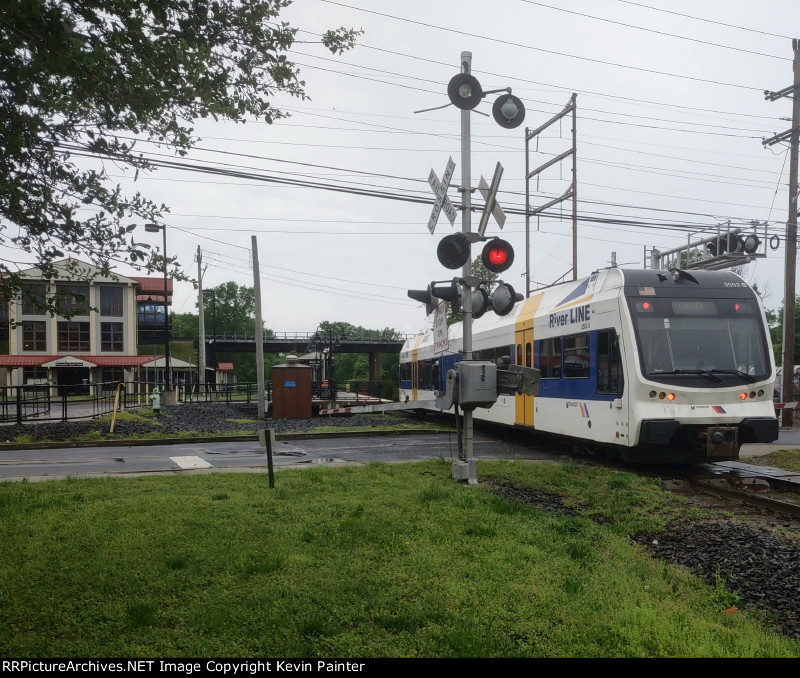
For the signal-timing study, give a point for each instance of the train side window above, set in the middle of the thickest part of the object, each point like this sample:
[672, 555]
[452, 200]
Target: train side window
[549, 358]
[609, 370]
[519, 354]
[576, 356]
[528, 354]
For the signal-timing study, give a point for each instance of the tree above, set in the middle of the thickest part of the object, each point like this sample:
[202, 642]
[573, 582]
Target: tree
[231, 309]
[94, 78]
[775, 322]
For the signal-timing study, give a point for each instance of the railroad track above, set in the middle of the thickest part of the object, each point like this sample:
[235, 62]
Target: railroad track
[749, 484]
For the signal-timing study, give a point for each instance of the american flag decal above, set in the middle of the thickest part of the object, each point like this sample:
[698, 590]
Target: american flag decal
[718, 409]
[584, 411]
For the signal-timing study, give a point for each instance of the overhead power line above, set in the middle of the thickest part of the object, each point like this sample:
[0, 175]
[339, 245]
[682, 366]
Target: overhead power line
[708, 21]
[652, 30]
[496, 40]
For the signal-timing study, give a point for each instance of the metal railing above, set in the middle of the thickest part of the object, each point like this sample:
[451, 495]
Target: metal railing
[47, 402]
[246, 392]
[346, 390]
[61, 402]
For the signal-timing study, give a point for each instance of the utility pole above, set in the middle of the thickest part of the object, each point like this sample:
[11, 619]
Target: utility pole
[259, 331]
[571, 192]
[787, 362]
[466, 271]
[201, 353]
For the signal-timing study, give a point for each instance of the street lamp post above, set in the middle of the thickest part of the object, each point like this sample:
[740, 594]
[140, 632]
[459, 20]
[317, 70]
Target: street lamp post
[154, 228]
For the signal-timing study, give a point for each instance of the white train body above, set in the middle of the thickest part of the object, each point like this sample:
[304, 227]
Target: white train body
[661, 367]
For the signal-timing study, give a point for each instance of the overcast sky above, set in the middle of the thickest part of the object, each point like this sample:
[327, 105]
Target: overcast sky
[671, 117]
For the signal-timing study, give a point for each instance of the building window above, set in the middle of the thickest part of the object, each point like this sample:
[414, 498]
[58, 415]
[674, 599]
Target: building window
[151, 313]
[73, 336]
[111, 337]
[111, 301]
[111, 376]
[34, 336]
[33, 299]
[34, 375]
[72, 299]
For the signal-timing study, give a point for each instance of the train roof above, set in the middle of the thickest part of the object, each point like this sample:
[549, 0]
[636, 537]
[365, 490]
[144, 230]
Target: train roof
[600, 284]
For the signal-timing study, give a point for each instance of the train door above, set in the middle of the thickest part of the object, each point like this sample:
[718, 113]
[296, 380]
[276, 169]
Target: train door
[414, 377]
[524, 356]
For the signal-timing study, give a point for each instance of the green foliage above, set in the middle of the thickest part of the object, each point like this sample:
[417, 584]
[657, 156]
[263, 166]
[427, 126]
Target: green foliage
[79, 78]
[355, 366]
[788, 460]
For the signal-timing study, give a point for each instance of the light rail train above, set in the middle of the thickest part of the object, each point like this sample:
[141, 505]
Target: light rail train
[651, 365]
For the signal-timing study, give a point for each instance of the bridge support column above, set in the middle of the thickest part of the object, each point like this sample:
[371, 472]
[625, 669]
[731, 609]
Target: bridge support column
[375, 366]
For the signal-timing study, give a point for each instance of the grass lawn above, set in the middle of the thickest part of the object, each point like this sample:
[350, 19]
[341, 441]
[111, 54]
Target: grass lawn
[382, 560]
[788, 460]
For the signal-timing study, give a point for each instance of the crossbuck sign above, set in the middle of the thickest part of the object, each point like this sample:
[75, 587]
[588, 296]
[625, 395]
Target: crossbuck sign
[439, 189]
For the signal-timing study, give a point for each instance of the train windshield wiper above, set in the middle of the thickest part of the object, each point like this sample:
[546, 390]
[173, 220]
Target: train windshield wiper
[704, 373]
[744, 375]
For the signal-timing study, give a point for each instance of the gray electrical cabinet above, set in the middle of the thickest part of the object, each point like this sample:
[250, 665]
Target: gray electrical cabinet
[477, 384]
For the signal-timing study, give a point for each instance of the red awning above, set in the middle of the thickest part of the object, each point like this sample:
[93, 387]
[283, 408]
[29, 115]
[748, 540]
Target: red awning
[99, 360]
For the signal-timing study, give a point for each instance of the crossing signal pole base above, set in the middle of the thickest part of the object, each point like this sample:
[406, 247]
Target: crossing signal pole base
[465, 470]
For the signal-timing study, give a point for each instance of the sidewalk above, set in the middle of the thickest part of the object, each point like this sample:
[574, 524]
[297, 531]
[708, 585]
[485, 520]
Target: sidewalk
[787, 438]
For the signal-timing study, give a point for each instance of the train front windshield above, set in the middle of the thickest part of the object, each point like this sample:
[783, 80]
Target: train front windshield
[716, 340]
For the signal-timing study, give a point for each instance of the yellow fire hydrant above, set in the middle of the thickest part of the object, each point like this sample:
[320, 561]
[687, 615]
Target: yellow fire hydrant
[155, 400]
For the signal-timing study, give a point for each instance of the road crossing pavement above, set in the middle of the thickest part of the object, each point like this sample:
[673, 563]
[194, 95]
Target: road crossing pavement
[205, 457]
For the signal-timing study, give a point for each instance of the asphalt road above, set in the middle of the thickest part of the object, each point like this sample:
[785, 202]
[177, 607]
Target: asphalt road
[205, 457]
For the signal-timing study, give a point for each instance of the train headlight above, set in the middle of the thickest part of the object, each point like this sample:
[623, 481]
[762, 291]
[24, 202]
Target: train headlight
[670, 396]
[752, 394]
[653, 394]
[761, 393]
[742, 396]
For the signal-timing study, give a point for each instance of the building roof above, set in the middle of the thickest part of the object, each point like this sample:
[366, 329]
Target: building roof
[72, 270]
[174, 363]
[99, 360]
[150, 287]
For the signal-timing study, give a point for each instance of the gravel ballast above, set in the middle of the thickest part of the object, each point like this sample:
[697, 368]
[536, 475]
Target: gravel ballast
[201, 418]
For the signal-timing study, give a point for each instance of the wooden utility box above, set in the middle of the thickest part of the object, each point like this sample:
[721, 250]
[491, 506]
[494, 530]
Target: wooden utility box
[291, 390]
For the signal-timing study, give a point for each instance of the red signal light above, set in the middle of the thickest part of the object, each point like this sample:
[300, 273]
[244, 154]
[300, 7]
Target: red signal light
[497, 255]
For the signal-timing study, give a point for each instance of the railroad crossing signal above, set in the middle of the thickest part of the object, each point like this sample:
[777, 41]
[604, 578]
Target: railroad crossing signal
[439, 189]
[489, 194]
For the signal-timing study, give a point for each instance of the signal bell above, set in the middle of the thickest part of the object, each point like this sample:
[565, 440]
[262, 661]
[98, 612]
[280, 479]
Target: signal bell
[508, 111]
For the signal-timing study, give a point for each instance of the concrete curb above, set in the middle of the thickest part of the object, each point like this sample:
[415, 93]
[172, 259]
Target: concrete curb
[140, 442]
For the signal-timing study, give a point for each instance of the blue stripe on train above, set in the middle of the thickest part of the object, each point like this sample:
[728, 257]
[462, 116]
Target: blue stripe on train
[583, 388]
